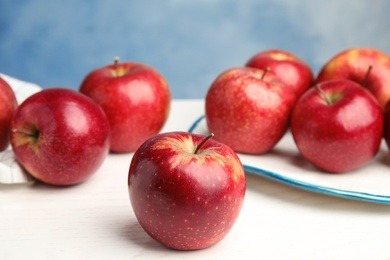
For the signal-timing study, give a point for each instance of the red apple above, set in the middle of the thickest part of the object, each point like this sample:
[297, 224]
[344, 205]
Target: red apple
[60, 136]
[337, 125]
[354, 64]
[8, 105]
[136, 99]
[248, 109]
[292, 71]
[186, 190]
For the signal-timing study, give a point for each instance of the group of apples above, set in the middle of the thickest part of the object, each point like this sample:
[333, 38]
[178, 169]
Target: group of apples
[62, 136]
[185, 189]
[337, 119]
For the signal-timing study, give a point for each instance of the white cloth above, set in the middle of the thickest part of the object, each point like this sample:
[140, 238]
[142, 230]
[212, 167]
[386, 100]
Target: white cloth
[10, 170]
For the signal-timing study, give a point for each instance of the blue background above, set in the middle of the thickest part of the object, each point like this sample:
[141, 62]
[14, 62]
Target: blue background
[56, 43]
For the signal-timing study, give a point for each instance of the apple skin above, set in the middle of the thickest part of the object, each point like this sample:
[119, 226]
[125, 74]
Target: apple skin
[353, 64]
[60, 136]
[247, 112]
[341, 136]
[292, 71]
[183, 200]
[8, 106]
[136, 100]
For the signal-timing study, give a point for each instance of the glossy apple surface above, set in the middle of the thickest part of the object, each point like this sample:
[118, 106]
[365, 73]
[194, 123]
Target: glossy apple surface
[136, 99]
[182, 199]
[354, 63]
[60, 136]
[337, 126]
[292, 70]
[248, 109]
[8, 105]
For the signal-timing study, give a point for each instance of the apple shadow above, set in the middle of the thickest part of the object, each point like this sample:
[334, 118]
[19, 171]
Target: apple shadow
[42, 186]
[300, 162]
[384, 156]
[293, 157]
[131, 230]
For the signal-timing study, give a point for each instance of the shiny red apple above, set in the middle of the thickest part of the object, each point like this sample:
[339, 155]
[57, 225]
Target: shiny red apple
[186, 190]
[8, 105]
[136, 99]
[60, 136]
[337, 126]
[248, 109]
[368, 67]
[292, 70]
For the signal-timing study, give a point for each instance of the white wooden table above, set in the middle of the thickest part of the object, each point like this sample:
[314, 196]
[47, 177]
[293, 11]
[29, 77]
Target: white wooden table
[94, 220]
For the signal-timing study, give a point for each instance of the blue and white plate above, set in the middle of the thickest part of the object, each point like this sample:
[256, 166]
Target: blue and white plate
[284, 164]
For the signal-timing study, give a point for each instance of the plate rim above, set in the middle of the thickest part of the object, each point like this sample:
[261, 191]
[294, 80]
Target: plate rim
[279, 177]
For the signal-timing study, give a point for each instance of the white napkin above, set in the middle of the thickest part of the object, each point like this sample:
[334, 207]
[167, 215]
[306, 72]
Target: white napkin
[10, 170]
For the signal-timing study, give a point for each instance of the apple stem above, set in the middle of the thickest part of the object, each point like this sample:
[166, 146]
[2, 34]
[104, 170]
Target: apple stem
[265, 72]
[364, 81]
[26, 132]
[116, 61]
[204, 141]
[328, 101]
